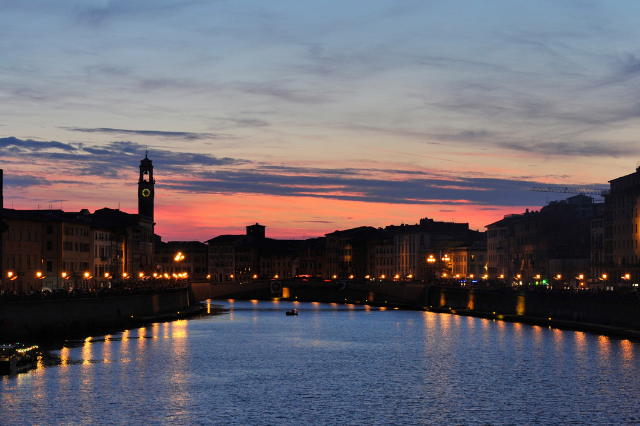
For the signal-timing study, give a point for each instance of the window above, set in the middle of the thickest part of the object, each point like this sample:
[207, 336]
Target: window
[49, 265]
[49, 229]
[49, 245]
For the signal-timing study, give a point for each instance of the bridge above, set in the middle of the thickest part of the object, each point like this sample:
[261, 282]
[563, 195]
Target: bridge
[318, 290]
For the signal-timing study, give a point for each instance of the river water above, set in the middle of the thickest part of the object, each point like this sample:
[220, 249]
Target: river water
[332, 364]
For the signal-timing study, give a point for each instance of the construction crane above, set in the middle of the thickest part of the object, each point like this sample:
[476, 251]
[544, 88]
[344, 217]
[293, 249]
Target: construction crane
[571, 190]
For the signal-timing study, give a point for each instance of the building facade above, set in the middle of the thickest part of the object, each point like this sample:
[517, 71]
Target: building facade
[621, 235]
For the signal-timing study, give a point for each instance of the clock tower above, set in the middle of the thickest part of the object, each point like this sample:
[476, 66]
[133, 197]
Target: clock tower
[145, 189]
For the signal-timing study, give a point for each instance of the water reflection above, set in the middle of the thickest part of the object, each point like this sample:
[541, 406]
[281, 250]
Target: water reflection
[333, 364]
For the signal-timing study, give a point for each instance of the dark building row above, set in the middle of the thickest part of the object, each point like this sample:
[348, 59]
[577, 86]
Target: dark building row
[551, 244]
[574, 242]
[55, 249]
[419, 252]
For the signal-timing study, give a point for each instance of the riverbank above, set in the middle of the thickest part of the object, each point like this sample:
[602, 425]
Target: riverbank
[606, 330]
[604, 313]
[56, 320]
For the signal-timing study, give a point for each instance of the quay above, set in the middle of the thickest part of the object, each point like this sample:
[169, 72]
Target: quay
[598, 312]
[63, 318]
[608, 313]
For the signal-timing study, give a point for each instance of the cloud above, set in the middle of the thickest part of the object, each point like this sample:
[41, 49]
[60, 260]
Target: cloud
[201, 173]
[158, 133]
[29, 145]
[24, 181]
[280, 91]
[358, 185]
[561, 147]
[575, 148]
[109, 159]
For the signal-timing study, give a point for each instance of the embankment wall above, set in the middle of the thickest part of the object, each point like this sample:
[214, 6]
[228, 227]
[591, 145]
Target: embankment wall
[411, 294]
[604, 309]
[66, 317]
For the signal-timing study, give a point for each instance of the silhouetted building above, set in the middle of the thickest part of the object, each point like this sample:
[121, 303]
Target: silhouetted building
[599, 273]
[414, 245]
[352, 252]
[621, 251]
[551, 244]
[78, 249]
[242, 258]
[177, 257]
[312, 257]
[470, 262]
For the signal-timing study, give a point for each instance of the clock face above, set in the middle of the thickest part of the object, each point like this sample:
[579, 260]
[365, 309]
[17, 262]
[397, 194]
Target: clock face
[146, 192]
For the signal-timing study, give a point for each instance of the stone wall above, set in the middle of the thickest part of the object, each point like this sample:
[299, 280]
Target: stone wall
[66, 317]
[604, 308]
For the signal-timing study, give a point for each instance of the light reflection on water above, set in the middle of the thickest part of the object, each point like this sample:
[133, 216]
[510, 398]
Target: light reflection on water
[332, 364]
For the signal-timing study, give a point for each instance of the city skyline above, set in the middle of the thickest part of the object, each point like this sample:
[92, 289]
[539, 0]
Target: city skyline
[312, 118]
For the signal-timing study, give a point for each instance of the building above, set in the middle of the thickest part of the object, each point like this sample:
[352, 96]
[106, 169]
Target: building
[23, 243]
[312, 257]
[470, 262]
[621, 251]
[178, 257]
[549, 246]
[415, 246]
[242, 258]
[353, 253]
[78, 249]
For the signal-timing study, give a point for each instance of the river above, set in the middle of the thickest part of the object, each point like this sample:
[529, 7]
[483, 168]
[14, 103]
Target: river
[332, 364]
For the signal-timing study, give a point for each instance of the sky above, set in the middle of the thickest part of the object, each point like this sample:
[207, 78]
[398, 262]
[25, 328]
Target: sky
[313, 116]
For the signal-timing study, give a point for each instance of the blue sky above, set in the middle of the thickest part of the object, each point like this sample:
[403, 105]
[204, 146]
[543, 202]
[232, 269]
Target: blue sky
[315, 116]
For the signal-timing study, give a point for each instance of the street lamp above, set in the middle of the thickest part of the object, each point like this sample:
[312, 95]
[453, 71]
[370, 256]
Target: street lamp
[431, 261]
[604, 279]
[626, 277]
[580, 282]
[40, 277]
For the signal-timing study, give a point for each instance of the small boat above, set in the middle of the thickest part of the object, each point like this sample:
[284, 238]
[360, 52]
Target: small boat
[16, 358]
[292, 312]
